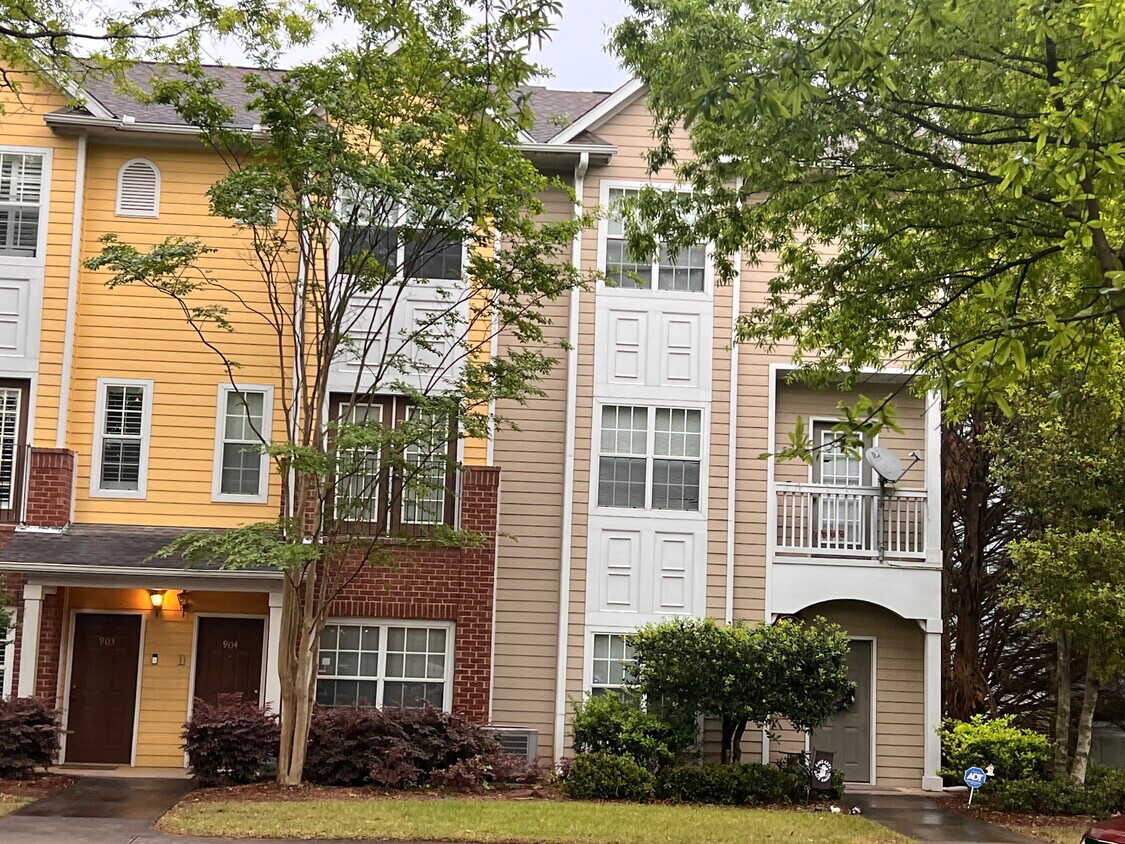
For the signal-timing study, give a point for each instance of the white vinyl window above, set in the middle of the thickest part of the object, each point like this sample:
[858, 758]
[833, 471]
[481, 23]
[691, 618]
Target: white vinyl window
[388, 240]
[426, 492]
[21, 203]
[122, 423]
[11, 399]
[840, 517]
[243, 423]
[138, 189]
[359, 475]
[393, 664]
[612, 659]
[650, 458]
[684, 271]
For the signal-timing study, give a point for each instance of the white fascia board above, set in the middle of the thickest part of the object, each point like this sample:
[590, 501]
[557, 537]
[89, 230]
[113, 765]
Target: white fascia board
[601, 112]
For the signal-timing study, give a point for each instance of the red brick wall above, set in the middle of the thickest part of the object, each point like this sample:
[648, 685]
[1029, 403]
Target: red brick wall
[50, 637]
[50, 487]
[444, 584]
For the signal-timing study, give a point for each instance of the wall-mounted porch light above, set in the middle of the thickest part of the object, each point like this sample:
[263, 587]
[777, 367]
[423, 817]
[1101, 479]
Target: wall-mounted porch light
[185, 602]
[156, 598]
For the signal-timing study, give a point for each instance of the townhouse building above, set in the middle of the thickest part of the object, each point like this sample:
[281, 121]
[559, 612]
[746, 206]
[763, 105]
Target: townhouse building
[640, 486]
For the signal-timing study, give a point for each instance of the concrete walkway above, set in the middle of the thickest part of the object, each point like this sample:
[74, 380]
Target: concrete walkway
[927, 821]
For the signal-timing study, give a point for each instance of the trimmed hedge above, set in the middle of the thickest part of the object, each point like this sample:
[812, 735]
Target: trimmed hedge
[606, 776]
[1015, 753]
[606, 724]
[1102, 794]
[29, 736]
[230, 742]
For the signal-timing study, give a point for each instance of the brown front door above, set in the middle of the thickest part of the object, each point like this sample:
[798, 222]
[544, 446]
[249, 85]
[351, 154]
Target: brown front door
[103, 688]
[228, 658]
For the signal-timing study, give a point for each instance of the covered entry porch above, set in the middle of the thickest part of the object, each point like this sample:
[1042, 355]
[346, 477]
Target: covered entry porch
[124, 648]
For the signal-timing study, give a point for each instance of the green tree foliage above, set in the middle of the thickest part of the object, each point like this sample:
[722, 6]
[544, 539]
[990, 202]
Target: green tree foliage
[940, 181]
[743, 674]
[393, 154]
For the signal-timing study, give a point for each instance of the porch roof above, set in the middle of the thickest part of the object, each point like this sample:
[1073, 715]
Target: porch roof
[111, 550]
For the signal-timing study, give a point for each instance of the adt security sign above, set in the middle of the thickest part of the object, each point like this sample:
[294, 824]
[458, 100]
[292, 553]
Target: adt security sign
[974, 779]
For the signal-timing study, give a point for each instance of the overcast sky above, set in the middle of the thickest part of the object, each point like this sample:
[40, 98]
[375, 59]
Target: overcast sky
[575, 54]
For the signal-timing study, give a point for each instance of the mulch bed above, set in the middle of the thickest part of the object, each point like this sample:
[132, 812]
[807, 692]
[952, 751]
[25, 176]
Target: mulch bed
[1014, 820]
[36, 786]
[271, 791]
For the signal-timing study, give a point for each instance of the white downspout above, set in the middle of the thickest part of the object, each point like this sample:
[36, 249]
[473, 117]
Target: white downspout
[568, 471]
[72, 292]
[732, 434]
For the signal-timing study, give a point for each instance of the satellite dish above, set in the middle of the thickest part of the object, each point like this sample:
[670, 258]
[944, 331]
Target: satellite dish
[885, 463]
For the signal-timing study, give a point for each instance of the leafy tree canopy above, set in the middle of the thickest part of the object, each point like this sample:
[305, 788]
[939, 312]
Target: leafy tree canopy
[939, 180]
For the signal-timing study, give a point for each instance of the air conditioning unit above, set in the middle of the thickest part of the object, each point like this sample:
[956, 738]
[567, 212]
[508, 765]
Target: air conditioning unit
[517, 741]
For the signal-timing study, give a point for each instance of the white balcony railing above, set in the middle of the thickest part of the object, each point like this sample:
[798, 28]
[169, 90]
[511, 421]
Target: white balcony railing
[818, 520]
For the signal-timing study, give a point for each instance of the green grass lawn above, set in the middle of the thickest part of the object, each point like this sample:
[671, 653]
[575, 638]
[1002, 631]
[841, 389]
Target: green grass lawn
[519, 821]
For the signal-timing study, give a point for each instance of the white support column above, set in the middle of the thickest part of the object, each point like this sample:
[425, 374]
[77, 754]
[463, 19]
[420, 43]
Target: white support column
[29, 638]
[933, 477]
[931, 706]
[272, 696]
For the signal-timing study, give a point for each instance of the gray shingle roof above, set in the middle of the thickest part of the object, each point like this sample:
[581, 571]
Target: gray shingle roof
[553, 109]
[108, 546]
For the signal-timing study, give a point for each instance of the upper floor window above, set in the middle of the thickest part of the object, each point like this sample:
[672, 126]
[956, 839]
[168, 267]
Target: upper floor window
[21, 197]
[835, 464]
[684, 271]
[650, 458]
[122, 421]
[13, 424]
[611, 663]
[398, 665]
[243, 424]
[383, 240]
[419, 492]
[138, 189]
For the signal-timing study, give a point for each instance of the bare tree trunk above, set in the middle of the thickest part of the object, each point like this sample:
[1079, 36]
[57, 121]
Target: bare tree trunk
[1062, 704]
[728, 736]
[287, 675]
[1086, 720]
[736, 742]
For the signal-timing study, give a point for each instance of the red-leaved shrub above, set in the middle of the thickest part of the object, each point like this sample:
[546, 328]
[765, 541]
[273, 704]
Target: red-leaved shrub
[230, 742]
[29, 736]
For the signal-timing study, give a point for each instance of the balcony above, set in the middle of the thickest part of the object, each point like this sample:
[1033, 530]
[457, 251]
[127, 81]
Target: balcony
[820, 521]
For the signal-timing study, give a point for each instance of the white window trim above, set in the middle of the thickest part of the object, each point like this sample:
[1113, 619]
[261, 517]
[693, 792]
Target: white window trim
[383, 623]
[603, 235]
[650, 437]
[866, 472]
[588, 651]
[262, 496]
[40, 258]
[141, 491]
[117, 209]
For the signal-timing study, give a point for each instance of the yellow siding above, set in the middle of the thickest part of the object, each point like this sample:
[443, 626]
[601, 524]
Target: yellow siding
[170, 635]
[21, 124]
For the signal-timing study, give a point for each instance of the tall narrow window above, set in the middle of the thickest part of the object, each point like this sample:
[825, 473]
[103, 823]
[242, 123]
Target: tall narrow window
[424, 494]
[21, 195]
[10, 416]
[121, 438]
[358, 482]
[138, 189]
[243, 425]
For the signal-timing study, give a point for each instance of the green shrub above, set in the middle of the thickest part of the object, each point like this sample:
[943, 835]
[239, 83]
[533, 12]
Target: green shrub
[604, 776]
[29, 736]
[1015, 753]
[1102, 794]
[731, 785]
[606, 724]
[799, 766]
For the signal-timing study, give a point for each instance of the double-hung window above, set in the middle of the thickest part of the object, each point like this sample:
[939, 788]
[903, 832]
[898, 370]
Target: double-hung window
[392, 664]
[243, 425]
[122, 419]
[21, 199]
[610, 666]
[407, 495]
[840, 517]
[650, 458]
[683, 271]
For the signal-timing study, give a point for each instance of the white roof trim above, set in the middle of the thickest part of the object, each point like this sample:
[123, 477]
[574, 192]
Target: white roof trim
[601, 112]
[72, 90]
[146, 573]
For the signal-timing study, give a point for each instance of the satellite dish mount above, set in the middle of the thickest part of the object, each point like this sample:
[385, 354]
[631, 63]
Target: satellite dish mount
[888, 468]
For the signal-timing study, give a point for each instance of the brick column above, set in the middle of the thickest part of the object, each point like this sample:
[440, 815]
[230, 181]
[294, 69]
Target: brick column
[50, 487]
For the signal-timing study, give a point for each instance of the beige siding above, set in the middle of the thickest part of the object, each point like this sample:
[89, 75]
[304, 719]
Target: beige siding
[527, 575]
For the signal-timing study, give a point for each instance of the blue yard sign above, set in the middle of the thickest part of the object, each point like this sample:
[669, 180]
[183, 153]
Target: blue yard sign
[974, 779]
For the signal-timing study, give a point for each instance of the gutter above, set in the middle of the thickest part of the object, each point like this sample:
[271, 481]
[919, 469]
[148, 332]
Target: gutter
[567, 537]
[127, 123]
[87, 570]
[72, 292]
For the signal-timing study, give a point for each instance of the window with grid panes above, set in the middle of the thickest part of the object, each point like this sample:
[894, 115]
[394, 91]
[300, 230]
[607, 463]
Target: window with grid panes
[21, 194]
[425, 494]
[684, 271]
[121, 437]
[10, 411]
[358, 481]
[612, 659]
[243, 423]
[657, 468]
[383, 664]
[376, 237]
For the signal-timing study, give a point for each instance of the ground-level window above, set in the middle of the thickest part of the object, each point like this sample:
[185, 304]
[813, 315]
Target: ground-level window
[612, 661]
[395, 664]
